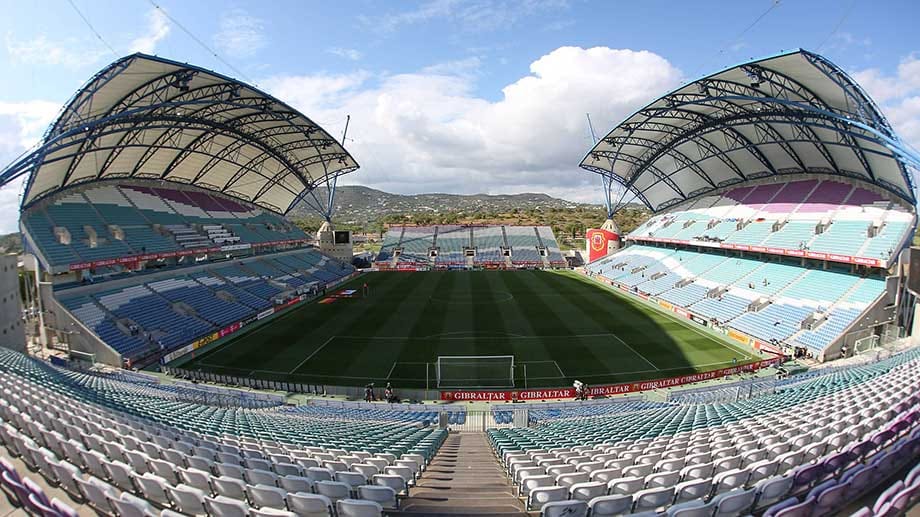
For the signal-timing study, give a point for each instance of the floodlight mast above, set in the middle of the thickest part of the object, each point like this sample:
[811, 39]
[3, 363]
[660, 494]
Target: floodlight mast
[607, 180]
[330, 181]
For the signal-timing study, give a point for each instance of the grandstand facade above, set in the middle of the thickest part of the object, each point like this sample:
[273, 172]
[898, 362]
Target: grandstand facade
[782, 203]
[469, 246]
[155, 207]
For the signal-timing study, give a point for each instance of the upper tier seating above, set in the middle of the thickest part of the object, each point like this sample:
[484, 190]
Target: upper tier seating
[415, 243]
[451, 241]
[552, 246]
[820, 216]
[161, 315]
[489, 241]
[111, 221]
[725, 289]
[528, 245]
[735, 458]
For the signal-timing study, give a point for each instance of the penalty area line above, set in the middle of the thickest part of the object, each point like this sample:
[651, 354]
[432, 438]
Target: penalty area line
[561, 373]
[311, 355]
[634, 351]
[391, 369]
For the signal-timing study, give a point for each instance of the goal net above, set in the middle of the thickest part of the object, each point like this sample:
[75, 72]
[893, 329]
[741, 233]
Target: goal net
[863, 345]
[76, 355]
[475, 371]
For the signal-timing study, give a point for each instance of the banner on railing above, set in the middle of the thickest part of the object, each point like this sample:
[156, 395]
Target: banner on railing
[611, 389]
[833, 257]
[131, 259]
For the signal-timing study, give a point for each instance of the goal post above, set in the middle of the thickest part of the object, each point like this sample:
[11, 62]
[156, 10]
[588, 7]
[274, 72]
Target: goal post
[475, 371]
[863, 345]
[87, 357]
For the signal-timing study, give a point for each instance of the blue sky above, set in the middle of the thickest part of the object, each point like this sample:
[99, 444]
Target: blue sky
[478, 95]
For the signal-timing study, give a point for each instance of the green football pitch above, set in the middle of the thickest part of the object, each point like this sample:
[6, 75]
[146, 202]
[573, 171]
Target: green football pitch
[559, 326]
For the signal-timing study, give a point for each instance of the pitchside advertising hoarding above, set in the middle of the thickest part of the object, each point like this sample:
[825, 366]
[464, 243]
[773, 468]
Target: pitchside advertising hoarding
[598, 241]
[606, 390]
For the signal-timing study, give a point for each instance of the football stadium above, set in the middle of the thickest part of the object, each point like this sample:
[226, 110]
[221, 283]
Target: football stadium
[747, 350]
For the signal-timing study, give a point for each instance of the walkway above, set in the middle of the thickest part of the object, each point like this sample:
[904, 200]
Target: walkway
[464, 478]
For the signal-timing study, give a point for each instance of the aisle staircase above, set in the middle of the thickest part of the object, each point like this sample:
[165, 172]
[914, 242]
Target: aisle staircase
[464, 478]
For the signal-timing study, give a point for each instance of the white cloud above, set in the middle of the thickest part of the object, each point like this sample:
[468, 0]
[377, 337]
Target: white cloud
[463, 67]
[898, 95]
[21, 126]
[41, 50]
[347, 53]
[157, 29]
[26, 120]
[429, 132]
[476, 15]
[241, 35]
[844, 40]
[559, 25]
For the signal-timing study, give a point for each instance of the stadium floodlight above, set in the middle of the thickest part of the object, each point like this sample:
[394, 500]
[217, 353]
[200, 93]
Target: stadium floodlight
[475, 371]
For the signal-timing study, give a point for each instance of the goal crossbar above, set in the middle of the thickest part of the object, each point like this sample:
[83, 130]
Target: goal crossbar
[475, 371]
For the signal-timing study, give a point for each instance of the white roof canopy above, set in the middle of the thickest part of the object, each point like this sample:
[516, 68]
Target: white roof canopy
[792, 113]
[147, 117]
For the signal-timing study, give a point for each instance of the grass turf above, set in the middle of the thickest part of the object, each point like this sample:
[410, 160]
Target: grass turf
[559, 326]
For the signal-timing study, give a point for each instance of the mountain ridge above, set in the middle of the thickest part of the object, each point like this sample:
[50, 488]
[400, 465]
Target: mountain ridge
[356, 203]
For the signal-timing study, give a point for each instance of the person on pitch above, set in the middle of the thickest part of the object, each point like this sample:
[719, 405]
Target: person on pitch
[389, 394]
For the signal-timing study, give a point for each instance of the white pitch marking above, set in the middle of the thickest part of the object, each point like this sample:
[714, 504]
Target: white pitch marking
[634, 351]
[561, 373]
[311, 355]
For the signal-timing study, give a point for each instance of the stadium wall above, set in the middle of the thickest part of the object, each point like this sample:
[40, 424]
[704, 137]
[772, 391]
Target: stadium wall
[879, 314]
[12, 329]
[480, 395]
[78, 337]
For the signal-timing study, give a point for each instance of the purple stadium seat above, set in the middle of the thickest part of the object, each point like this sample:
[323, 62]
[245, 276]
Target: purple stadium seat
[805, 509]
[831, 499]
[862, 449]
[785, 503]
[887, 495]
[35, 493]
[836, 462]
[881, 438]
[806, 476]
[12, 485]
[913, 476]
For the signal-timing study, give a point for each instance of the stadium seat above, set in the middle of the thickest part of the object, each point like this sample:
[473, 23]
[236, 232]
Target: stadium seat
[565, 509]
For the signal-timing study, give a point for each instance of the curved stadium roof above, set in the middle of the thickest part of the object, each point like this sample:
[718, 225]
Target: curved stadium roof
[792, 113]
[148, 117]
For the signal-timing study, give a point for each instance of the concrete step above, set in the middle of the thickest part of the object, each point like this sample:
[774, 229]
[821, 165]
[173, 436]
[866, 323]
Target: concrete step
[464, 478]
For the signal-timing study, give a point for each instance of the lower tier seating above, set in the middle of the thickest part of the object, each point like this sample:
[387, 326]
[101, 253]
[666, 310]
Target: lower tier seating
[767, 300]
[153, 317]
[126, 449]
[822, 442]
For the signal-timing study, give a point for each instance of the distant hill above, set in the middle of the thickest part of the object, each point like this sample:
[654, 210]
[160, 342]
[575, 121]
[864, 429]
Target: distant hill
[11, 243]
[357, 204]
